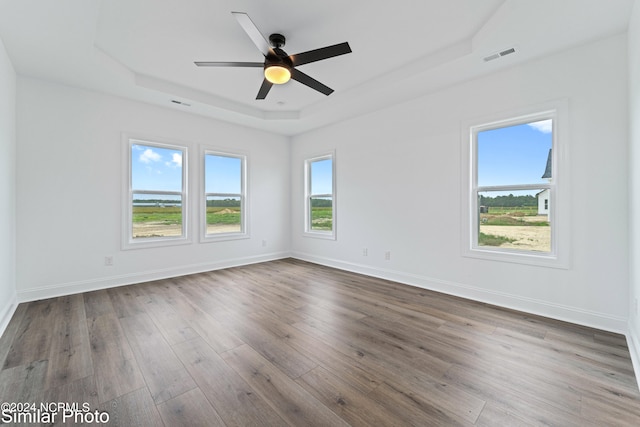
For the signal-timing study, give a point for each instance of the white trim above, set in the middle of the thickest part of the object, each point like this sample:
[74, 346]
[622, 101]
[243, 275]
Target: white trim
[6, 312]
[127, 242]
[559, 257]
[61, 289]
[633, 342]
[561, 312]
[319, 234]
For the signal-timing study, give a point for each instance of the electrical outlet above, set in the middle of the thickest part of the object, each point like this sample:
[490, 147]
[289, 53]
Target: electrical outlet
[365, 252]
[108, 261]
[387, 255]
[264, 243]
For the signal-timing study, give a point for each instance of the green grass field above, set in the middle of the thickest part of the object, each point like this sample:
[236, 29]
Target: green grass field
[514, 211]
[223, 216]
[173, 215]
[322, 218]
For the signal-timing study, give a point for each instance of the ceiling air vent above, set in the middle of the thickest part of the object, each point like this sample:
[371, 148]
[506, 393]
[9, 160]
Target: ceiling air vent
[499, 54]
[180, 103]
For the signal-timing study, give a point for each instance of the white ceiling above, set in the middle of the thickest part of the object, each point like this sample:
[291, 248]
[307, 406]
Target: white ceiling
[144, 49]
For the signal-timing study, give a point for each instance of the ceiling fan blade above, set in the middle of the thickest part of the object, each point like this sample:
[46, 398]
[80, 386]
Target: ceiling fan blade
[264, 89]
[310, 81]
[320, 54]
[254, 34]
[228, 64]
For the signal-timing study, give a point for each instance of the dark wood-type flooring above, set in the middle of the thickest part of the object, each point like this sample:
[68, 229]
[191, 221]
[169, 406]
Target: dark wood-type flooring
[292, 343]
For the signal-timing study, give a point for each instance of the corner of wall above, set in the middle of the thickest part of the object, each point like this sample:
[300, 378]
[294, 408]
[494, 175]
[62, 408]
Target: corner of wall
[633, 46]
[8, 144]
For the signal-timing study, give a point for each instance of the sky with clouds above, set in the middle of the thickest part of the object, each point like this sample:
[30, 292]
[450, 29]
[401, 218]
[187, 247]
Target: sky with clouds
[156, 168]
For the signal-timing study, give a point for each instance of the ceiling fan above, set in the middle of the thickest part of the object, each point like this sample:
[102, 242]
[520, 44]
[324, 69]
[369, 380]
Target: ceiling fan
[279, 67]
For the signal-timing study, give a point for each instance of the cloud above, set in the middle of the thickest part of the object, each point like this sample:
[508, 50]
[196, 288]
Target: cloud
[176, 161]
[544, 126]
[149, 156]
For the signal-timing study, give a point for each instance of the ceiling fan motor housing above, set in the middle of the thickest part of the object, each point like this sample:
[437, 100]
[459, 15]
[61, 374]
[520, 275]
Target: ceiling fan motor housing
[277, 40]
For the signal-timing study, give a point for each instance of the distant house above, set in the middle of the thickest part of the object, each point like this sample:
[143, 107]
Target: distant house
[544, 196]
[543, 202]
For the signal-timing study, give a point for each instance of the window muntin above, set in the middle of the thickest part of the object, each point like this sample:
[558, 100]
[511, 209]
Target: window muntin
[510, 172]
[157, 199]
[320, 196]
[225, 195]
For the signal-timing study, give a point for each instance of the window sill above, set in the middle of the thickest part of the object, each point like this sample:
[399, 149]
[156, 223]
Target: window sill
[518, 257]
[223, 237]
[320, 235]
[155, 243]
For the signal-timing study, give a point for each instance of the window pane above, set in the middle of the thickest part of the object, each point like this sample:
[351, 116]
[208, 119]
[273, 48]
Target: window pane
[515, 154]
[156, 216]
[155, 168]
[322, 177]
[223, 174]
[224, 214]
[515, 219]
[321, 213]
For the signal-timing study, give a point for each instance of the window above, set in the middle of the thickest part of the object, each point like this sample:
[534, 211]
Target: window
[320, 206]
[514, 202]
[156, 208]
[224, 196]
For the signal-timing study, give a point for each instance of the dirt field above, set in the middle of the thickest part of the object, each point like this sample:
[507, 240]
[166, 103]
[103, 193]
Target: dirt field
[160, 229]
[527, 238]
[156, 229]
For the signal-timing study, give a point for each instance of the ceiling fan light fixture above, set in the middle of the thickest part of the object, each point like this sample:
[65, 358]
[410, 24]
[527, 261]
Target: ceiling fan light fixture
[277, 74]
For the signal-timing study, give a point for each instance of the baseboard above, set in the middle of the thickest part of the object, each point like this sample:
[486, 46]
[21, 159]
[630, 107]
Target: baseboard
[6, 313]
[633, 342]
[515, 302]
[62, 289]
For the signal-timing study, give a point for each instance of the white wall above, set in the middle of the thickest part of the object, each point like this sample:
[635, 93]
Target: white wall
[7, 188]
[69, 175]
[399, 189]
[634, 183]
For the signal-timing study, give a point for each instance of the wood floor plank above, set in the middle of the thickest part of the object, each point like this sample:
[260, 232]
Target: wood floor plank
[23, 383]
[97, 303]
[115, 368]
[347, 401]
[292, 402]
[411, 409]
[385, 350]
[358, 375]
[190, 409]
[171, 324]
[70, 353]
[234, 400]
[270, 346]
[124, 300]
[537, 407]
[163, 372]
[11, 331]
[219, 337]
[77, 393]
[33, 339]
[134, 409]
[622, 412]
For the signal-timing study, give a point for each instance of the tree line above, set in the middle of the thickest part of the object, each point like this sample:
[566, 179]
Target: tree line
[509, 201]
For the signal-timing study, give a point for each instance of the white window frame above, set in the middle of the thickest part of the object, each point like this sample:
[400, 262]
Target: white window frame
[128, 242]
[244, 223]
[559, 200]
[322, 234]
